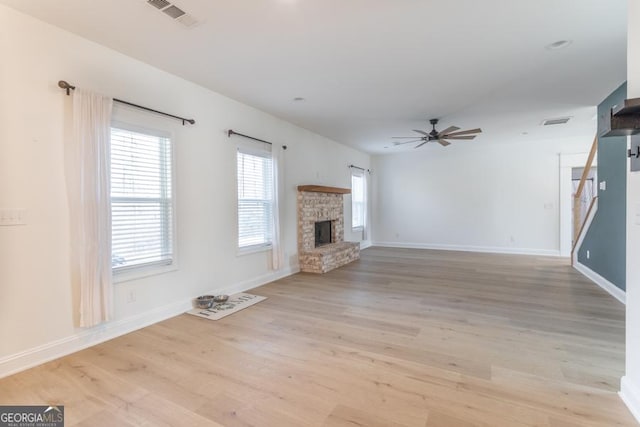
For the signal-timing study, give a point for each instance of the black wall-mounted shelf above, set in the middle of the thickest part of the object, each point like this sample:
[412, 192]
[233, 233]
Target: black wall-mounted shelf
[625, 120]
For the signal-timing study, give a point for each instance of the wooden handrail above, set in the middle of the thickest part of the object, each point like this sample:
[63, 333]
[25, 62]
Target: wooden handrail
[579, 223]
[587, 168]
[577, 220]
[584, 223]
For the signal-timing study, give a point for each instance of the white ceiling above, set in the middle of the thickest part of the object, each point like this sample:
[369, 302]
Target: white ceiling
[373, 69]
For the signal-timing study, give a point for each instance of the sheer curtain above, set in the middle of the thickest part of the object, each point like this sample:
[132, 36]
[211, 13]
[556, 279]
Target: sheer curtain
[365, 214]
[88, 189]
[276, 246]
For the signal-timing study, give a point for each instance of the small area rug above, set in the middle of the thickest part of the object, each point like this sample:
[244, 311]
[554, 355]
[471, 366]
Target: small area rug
[234, 304]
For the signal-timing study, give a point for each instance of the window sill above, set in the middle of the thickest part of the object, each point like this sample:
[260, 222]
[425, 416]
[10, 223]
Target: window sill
[357, 229]
[142, 272]
[253, 249]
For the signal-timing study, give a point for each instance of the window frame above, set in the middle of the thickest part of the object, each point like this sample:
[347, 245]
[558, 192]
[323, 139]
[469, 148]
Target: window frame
[132, 272]
[259, 247]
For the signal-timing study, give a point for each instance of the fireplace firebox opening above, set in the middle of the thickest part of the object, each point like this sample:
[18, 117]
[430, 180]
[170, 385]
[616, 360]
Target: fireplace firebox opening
[323, 233]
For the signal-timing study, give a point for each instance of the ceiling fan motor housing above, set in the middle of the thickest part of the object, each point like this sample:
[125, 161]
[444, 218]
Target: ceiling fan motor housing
[434, 133]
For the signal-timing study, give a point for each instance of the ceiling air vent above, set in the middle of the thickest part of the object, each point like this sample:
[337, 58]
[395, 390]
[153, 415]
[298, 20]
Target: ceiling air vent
[174, 12]
[187, 20]
[558, 121]
[160, 4]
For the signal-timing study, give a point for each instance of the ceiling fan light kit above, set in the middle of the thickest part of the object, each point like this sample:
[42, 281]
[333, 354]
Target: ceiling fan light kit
[450, 133]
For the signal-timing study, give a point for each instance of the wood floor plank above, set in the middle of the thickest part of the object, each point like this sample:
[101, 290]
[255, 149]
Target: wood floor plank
[343, 416]
[439, 419]
[402, 337]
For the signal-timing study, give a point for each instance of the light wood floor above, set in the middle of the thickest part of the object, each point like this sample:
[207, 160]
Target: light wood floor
[399, 338]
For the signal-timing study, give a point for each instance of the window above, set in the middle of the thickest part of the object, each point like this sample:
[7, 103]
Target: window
[255, 198]
[357, 199]
[141, 199]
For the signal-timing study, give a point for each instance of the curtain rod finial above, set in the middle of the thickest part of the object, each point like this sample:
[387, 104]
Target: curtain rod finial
[64, 85]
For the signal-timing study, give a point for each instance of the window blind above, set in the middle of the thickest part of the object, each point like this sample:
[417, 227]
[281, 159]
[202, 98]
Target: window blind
[357, 199]
[141, 199]
[255, 198]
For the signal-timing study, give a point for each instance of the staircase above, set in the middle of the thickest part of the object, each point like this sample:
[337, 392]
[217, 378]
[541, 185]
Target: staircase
[582, 219]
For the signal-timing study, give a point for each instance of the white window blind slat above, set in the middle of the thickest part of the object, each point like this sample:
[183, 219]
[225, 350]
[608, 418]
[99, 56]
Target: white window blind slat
[255, 199]
[141, 199]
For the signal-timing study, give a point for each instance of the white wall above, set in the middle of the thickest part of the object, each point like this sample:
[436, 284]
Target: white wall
[630, 387]
[36, 314]
[473, 196]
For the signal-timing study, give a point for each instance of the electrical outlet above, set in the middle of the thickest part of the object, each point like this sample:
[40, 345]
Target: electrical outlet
[131, 296]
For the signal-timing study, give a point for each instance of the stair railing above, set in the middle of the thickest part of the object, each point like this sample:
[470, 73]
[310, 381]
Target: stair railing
[580, 220]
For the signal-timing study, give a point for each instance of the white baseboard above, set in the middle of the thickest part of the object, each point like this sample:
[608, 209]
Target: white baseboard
[84, 338]
[258, 281]
[630, 395]
[365, 244]
[612, 289]
[463, 248]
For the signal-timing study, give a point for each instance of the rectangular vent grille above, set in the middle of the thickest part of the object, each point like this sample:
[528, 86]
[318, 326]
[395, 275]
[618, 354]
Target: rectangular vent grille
[187, 20]
[558, 121]
[159, 3]
[174, 12]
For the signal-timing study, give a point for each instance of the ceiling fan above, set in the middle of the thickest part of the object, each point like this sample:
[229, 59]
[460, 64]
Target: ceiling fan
[440, 137]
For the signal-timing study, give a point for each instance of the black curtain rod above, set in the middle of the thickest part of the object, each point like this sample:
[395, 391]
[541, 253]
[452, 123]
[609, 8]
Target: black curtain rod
[231, 132]
[358, 167]
[64, 85]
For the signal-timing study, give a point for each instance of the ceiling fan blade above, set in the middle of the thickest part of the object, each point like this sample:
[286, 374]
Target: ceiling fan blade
[401, 137]
[421, 132]
[443, 142]
[449, 130]
[461, 137]
[405, 142]
[465, 132]
[421, 144]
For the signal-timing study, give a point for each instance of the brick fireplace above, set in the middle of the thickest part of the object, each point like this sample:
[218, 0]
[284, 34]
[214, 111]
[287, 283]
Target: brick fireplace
[316, 204]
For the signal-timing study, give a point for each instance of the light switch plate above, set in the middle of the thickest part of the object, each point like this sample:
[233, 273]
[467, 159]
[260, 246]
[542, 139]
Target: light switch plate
[13, 216]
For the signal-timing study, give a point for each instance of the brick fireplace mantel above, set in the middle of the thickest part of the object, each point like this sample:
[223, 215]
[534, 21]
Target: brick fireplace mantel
[323, 189]
[321, 203]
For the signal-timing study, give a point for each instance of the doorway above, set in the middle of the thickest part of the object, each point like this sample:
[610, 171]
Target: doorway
[588, 193]
[568, 161]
